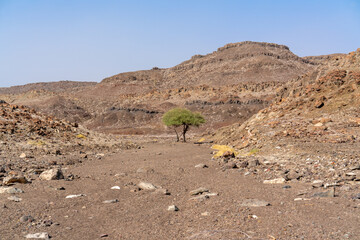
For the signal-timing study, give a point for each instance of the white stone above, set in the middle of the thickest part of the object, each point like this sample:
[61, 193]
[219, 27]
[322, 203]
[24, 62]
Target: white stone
[52, 174]
[115, 187]
[173, 208]
[75, 195]
[42, 235]
[275, 181]
[147, 186]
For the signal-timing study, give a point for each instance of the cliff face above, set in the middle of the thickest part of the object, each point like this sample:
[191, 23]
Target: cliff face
[227, 86]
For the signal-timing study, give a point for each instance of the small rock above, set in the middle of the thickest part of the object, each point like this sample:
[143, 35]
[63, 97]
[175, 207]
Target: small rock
[14, 179]
[23, 155]
[205, 214]
[14, 198]
[293, 175]
[162, 191]
[111, 201]
[11, 190]
[199, 198]
[146, 186]
[253, 163]
[42, 235]
[115, 187]
[356, 196]
[330, 193]
[275, 181]
[60, 188]
[254, 203]
[104, 235]
[244, 164]
[52, 174]
[199, 191]
[286, 187]
[201, 165]
[302, 199]
[317, 183]
[230, 165]
[173, 208]
[75, 195]
[28, 218]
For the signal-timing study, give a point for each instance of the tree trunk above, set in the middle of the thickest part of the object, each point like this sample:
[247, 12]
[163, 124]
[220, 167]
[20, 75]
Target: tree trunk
[177, 135]
[185, 128]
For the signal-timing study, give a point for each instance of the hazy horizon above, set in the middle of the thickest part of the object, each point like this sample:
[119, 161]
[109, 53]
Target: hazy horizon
[90, 40]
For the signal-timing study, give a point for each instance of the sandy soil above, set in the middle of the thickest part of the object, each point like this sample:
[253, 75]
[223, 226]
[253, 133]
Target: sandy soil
[143, 214]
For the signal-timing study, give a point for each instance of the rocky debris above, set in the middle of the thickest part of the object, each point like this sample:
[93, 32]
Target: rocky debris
[115, 188]
[52, 174]
[173, 208]
[199, 198]
[14, 198]
[14, 179]
[254, 203]
[75, 196]
[23, 155]
[201, 165]
[146, 186]
[11, 190]
[42, 235]
[111, 201]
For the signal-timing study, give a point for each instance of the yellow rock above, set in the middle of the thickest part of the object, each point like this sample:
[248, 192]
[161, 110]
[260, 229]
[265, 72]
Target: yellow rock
[222, 149]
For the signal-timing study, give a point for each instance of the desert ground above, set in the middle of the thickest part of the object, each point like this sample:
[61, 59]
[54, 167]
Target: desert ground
[231, 203]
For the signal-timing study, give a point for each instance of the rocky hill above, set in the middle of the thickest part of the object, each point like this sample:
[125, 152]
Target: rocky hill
[227, 86]
[31, 140]
[312, 127]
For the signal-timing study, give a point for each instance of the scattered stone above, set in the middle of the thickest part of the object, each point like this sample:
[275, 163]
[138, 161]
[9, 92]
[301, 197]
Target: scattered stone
[104, 235]
[317, 183]
[42, 235]
[162, 191]
[199, 191]
[199, 198]
[254, 203]
[23, 155]
[111, 201]
[201, 165]
[28, 218]
[115, 187]
[275, 181]
[330, 193]
[60, 188]
[14, 198]
[292, 174]
[52, 174]
[146, 186]
[11, 190]
[211, 194]
[75, 195]
[253, 163]
[14, 179]
[205, 214]
[244, 164]
[230, 165]
[357, 196]
[286, 187]
[47, 223]
[173, 208]
[301, 199]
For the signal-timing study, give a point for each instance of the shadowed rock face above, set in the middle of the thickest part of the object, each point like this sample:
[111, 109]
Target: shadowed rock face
[227, 86]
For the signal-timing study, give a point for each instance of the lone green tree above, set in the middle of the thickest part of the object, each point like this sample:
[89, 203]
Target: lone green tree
[178, 117]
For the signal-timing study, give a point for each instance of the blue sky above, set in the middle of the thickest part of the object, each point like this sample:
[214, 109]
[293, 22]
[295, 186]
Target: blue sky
[88, 40]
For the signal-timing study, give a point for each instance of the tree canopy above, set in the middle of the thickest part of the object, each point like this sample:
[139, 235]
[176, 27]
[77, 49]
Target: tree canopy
[182, 117]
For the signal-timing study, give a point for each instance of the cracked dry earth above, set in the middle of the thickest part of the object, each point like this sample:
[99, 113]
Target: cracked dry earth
[232, 206]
